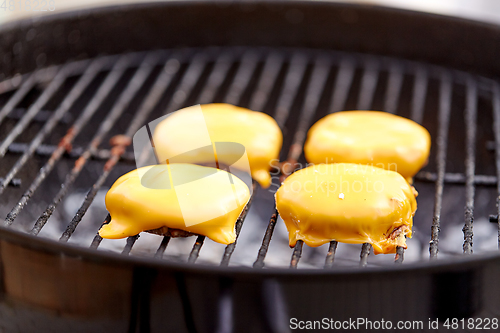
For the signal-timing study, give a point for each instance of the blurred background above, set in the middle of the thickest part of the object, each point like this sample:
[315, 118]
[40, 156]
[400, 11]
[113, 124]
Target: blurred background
[485, 10]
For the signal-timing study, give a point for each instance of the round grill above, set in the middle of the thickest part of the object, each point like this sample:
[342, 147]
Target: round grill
[57, 162]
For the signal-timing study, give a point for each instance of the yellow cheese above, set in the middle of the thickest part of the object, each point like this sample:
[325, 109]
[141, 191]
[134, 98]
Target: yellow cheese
[193, 198]
[256, 131]
[377, 138]
[349, 203]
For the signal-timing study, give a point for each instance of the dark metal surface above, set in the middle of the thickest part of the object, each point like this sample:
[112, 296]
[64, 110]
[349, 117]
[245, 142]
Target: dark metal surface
[470, 162]
[304, 95]
[441, 143]
[116, 292]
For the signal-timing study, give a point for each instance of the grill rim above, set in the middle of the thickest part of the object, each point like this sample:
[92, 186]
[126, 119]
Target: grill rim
[17, 237]
[42, 245]
[473, 27]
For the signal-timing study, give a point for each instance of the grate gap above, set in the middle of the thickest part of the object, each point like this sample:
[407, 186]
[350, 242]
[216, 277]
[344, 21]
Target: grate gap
[400, 252]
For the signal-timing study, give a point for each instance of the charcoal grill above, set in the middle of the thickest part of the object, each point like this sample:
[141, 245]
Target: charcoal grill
[74, 84]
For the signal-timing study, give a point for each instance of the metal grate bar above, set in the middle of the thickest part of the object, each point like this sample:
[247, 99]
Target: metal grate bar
[365, 252]
[365, 99]
[242, 78]
[343, 84]
[294, 77]
[76, 151]
[77, 90]
[394, 84]
[496, 131]
[296, 254]
[15, 182]
[417, 115]
[104, 154]
[191, 77]
[103, 91]
[42, 116]
[259, 262]
[14, 82]
[47, 94]
[313, 96]
[207, 73]
[315, 88]
[445, 95]
[150, 101]
[419, 94]
[240, 83]
[126, 96]
[470, 162]
[238, 225]
[260, 97]
[18, 96]
[216, 78]
[272, 68]
[189, 80]
[162, 247]
[330, 257]
[195, 252]
[456, 178]
[400, 253]
[161, 83]
[130, 243]
[392, 95]
[98, 239]
[368, 84]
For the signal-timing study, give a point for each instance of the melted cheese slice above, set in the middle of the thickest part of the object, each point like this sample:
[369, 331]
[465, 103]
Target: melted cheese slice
[377, 138]
[256, 131]
[349, 203]
[193, 198]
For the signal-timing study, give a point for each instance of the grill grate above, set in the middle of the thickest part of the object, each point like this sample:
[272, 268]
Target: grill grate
[300, 86]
